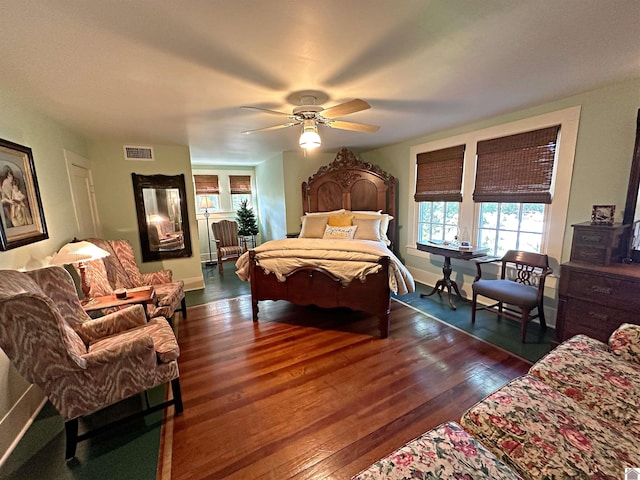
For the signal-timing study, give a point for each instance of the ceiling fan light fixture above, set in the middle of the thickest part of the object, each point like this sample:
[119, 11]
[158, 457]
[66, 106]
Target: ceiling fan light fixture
[310, 138]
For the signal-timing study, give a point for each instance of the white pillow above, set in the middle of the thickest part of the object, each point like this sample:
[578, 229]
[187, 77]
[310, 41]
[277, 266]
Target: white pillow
[384, 222]
[313, 226]
[368, 229]
[344, 233]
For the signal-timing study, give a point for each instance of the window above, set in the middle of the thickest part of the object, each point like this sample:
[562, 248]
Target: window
[514, 181]
[511, 226]
[504, 202]
[207, 193]
[438, 221]
[438, 189]
[240, 188]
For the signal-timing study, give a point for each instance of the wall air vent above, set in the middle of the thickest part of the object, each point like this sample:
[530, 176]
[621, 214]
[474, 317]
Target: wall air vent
[138, 153]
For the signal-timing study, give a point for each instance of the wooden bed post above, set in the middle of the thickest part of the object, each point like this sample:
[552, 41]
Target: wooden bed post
[385, 310]
[254, 286]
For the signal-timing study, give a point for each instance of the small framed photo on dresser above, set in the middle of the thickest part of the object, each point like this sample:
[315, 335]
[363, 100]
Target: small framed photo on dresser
[602, 214]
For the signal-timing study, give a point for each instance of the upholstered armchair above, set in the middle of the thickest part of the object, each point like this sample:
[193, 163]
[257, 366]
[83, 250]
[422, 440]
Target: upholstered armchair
[227, 241]
[119, 270]
[82, 365]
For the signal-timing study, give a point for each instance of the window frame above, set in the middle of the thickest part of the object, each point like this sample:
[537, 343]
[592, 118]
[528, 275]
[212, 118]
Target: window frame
[555, 213]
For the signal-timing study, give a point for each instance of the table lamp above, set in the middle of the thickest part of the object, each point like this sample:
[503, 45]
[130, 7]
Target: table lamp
[205, 202]
[79, 252]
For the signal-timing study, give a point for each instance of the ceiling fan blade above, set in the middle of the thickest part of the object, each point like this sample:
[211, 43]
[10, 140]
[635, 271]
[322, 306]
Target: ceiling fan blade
[272, 112]
[275, 127]
[345, 108]
[358, 127]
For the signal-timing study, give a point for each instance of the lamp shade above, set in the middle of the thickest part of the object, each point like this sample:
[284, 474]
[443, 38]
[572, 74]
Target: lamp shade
[310, 138]
[205, 202]
[76, 252]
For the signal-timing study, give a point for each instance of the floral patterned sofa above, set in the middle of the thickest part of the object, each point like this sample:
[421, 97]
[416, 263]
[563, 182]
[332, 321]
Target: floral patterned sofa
[574, 415]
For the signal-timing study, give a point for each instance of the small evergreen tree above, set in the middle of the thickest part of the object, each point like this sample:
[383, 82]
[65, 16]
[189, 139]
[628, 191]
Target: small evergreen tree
[247, 224]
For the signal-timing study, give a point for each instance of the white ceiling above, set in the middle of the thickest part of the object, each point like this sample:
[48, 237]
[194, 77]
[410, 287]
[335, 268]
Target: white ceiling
[171, 71]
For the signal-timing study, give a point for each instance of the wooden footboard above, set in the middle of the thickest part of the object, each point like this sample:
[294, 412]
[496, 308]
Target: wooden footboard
[316, 286]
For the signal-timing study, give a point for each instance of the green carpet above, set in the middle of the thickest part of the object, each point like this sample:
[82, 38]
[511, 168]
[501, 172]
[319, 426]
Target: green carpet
[125, 452]
[504, 333]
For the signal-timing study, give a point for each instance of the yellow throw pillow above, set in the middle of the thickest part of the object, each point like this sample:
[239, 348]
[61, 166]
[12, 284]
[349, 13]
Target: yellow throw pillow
[340, 220]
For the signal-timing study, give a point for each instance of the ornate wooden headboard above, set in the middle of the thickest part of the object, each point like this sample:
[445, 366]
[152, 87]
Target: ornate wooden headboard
[353, 185]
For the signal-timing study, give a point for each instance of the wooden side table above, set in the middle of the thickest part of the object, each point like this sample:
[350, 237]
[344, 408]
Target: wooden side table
[140, 295]
[449, 252]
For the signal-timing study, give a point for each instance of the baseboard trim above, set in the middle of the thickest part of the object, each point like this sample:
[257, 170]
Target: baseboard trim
[193, 283]
[17, 421]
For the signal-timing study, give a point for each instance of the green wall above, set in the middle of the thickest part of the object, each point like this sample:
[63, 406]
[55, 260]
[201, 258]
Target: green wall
[271, 211]
[114, 195]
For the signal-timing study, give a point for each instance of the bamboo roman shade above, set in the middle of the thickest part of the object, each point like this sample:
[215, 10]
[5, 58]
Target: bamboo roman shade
[240, 184]
[439, 175]
[206, 184]
[517, 168]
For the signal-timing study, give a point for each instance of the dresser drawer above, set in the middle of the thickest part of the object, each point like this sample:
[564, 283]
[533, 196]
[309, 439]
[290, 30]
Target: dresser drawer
[594, 320]
[592, 255]
[612, 291]
[598, 244]
[593, 238]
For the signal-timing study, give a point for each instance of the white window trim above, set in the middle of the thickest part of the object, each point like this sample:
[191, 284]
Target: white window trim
[556, 212]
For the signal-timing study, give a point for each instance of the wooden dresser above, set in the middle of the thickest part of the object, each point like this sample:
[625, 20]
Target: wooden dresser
[595, 300]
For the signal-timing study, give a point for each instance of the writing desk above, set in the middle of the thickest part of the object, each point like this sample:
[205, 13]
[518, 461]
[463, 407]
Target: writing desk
[449, 252]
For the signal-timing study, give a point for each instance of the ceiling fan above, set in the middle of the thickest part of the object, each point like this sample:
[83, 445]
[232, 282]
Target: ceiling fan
[310, 115]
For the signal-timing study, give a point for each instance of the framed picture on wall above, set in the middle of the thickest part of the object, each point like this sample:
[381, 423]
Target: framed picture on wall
[602, 214]
[21, 217]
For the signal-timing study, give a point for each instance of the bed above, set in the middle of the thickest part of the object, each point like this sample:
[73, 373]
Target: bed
[349, 263]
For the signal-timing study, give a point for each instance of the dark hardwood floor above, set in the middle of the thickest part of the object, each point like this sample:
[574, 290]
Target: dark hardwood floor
[307, 393]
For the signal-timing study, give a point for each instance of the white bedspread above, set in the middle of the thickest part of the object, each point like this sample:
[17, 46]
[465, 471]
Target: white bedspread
[346, 259]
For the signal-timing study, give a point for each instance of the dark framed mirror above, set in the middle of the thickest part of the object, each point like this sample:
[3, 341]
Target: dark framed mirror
[632, 209]
[163, 222]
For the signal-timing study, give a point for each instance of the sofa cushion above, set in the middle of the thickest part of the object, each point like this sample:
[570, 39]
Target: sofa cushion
[446, 451]
[544, 434]
[625, 342]
[586, 370]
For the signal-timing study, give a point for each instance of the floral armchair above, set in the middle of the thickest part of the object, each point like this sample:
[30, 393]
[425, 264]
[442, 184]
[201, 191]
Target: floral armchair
[119, 270]
[82, 365]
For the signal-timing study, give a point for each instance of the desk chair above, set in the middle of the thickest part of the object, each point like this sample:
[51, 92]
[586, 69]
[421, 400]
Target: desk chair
[518, 291]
